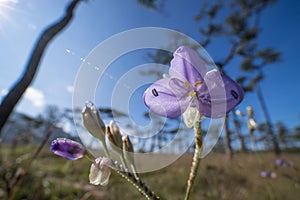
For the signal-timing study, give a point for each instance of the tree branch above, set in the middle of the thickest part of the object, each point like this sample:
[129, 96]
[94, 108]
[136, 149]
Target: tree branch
[229, 57]
[15, 94]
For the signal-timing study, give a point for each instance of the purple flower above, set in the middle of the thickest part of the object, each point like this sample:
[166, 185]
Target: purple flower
[189, 85]
[281, 162]
[67, 148]
[265, 174]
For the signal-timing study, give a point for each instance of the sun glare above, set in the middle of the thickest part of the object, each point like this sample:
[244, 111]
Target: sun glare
[5, 7]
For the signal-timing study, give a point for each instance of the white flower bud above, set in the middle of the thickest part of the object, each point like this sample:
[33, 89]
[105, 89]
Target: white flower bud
[92, 121]
[100, 171]
[239, 113]
[249, 111]
[251, 124]
[114, 136]
[128, 149]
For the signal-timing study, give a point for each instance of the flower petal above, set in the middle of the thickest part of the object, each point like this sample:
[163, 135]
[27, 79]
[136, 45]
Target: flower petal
[219, 96]
[162, 100]
[179, 88]
[187, 65]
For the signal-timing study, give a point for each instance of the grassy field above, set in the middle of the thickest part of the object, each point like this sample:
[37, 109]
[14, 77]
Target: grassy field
[52, 177]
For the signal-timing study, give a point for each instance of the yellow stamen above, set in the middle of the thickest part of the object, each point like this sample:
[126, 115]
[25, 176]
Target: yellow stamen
[193, 93]
[186, 84]
[198, 83]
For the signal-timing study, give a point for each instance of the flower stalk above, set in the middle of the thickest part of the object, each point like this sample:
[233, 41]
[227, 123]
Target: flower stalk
[196, 159]
[128, 155]
[136, 182]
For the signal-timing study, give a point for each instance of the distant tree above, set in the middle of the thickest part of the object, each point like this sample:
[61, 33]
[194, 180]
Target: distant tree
[237, 126]
[282, 132]
[18, 89]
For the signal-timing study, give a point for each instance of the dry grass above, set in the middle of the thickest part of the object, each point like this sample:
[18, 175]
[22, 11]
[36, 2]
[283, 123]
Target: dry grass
[217, 178]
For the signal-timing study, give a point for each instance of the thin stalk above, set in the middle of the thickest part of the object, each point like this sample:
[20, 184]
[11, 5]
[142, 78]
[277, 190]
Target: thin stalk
[136, 182]
[268, 119]
[106, 152]
[196, 159]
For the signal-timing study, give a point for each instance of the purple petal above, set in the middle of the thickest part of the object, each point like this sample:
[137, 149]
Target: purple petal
[179, 88]
[162, 100]
[187, 65]
[234, 93]
[67, 148]
[218, 95]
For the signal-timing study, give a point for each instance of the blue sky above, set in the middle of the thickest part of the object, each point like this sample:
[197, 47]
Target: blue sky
[22, 21]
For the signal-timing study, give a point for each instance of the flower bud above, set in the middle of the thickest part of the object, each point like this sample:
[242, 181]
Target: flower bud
[273, 175]
[239, 113]
[249, 111]
[114, 136]
[127, 145]
[251, 124]
[128, 149]
[100, 171]
[67, 148]
[128, 153]
[92, 121]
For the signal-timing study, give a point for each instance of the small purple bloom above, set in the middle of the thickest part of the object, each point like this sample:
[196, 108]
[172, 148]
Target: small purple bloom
[265, 174]
[67, 148]
[279, 162]
[190, 85]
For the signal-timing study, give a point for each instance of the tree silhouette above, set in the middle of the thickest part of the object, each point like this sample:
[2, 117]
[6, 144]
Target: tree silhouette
[18, 89]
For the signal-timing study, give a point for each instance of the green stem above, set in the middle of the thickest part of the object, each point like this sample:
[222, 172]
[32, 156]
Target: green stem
[105, 149]
[88, 156]
[136, 182]
[123, 160]
[129, 164]
[196, 159]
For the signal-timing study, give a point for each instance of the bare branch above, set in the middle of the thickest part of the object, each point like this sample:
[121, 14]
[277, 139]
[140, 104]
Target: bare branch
[15, 94]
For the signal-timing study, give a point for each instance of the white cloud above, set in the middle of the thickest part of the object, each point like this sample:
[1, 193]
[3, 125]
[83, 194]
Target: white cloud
[36, 97]
[70, 88]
